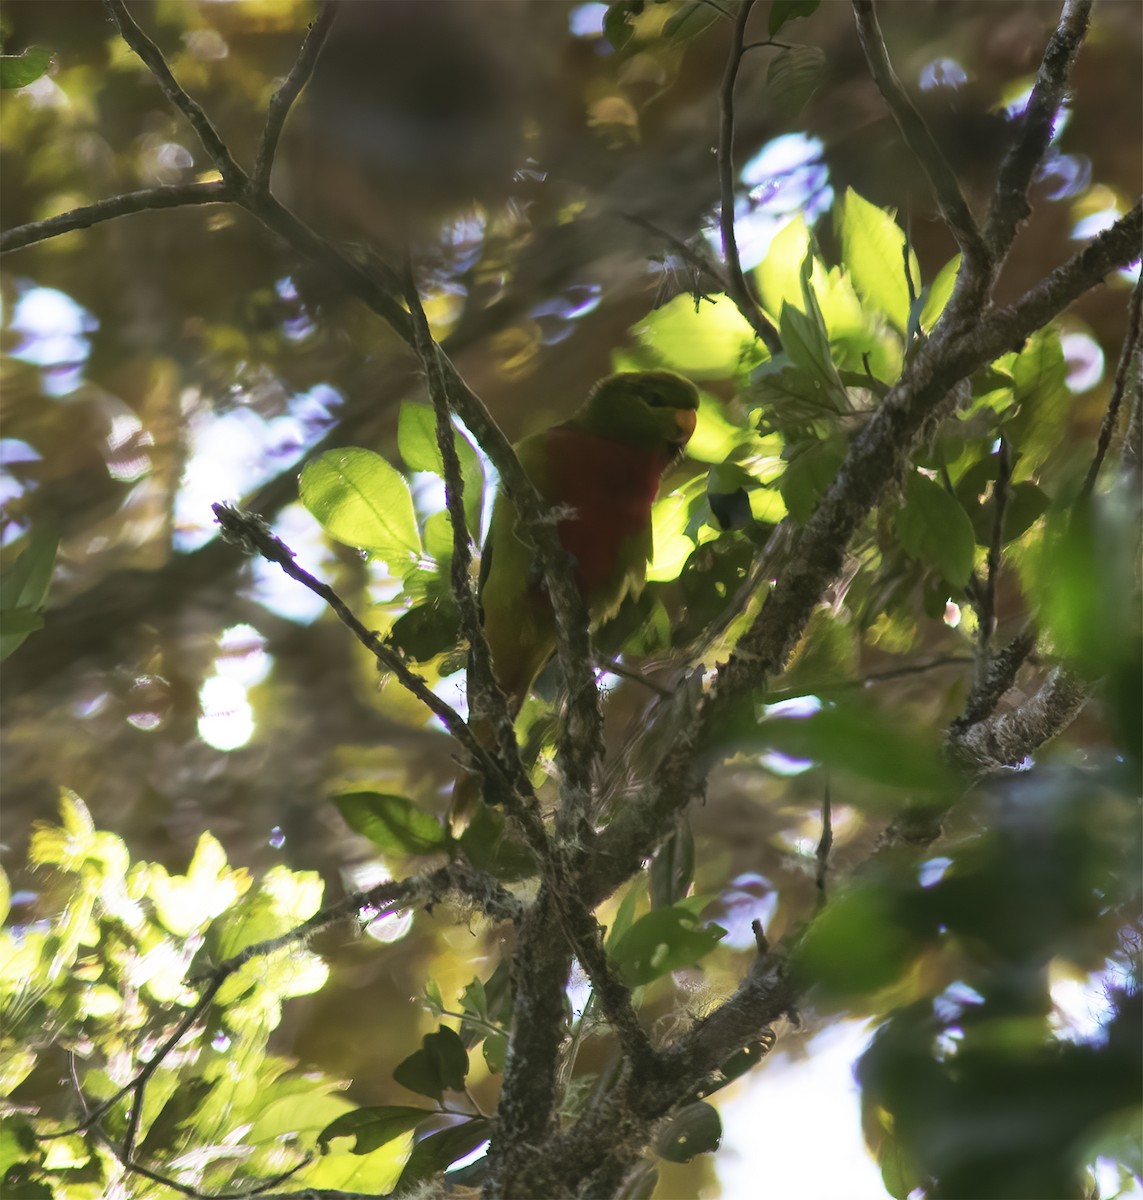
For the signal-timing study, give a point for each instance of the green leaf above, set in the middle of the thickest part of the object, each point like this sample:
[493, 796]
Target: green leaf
[373, 1127]
[793, 77]
[616, 28]
[495, 1050]
[24, 589]
[673, 868]
[662, 941]
[625, 914]
[1043, 402]
[857, 944]
[440, 1065]
[939, 292]
[362, 501]
[805, 340]
[473, 1000]
[417, 441]
[689, 21]
[394, 824]
[873, 251]
[712, 342]
[933, 527]
[693, 1130]
[1024, 505]
[428, 629]
[18, 70]
[813, 467]
[440, 1150]
[864, 742]
[782, 12]
[488, 846]
[827, 654]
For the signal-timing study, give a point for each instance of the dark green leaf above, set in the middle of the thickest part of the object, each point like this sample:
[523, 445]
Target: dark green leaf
[1024, 505]
[864, 742]
[813, 467]
[693, 1130]
[807, 344]
[473, 1000]
[439, 1150]
[933, 527]
[166, 1127]
[856, 945]
[689, 21]
[488, 846]
[429, 629]
[782, 12]
[664, 940]
[18, 70]
[673, 869]
[794, 76]
[24, 589]
[373, 1127]
[495, 1048]
[440, 1065]
[616, 28]
[393, 824]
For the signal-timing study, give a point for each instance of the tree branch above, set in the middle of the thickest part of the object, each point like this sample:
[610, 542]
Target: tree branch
[1035, 127]
[878, 454]
[1007, 739]
[254, 536]
[1123, 371]
[283, 99]
[153, 58]
[125, 205]
[950, 199]
[737, 287]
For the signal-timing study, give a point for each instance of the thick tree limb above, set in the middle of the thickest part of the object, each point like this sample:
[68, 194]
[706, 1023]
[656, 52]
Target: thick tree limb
[1007, 739]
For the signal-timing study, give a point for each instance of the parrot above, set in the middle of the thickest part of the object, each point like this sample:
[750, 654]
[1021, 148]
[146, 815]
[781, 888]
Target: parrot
[603, 466]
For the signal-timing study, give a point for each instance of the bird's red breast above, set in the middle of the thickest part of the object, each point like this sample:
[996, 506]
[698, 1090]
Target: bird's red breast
[612, 487]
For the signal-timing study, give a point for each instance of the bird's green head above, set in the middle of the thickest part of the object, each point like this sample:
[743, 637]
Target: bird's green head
[656, 409]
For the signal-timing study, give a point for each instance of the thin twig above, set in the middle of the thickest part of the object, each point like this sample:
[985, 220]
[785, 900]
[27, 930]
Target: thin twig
[699, 261]
[152, 56]
[486, 700]
[1118, 390]
[1035, 128]
[825, 844]
[185, 1189]
[252, 533]
[737, 287]
[986, 600]
[173, 196]
[283, 99]
[950, 199]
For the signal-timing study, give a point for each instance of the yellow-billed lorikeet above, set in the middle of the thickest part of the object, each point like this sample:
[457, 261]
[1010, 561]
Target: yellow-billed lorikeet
[604, 464]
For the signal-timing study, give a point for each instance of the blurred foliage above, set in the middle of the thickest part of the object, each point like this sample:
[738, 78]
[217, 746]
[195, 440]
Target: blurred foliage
[155, 364]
